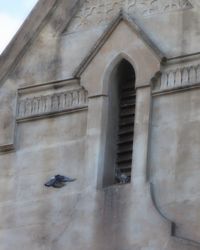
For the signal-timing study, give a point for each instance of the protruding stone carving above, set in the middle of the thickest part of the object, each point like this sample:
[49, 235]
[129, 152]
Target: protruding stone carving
[49, 104]
[178, 78]
[96, 12]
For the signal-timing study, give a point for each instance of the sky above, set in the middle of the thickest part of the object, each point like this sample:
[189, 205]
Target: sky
[12, 15]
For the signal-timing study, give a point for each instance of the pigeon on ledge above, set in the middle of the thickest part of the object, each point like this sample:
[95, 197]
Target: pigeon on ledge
[58, 181]
[121, 178]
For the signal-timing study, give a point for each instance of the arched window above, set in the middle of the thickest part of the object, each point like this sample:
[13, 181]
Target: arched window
[120, 128]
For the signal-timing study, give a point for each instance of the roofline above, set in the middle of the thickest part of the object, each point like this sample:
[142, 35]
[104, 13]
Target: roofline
[38, 17]
[24, 26]
[23, 37]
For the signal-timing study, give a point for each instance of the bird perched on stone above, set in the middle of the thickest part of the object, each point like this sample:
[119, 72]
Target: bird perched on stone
[121, 178]
[58, 181]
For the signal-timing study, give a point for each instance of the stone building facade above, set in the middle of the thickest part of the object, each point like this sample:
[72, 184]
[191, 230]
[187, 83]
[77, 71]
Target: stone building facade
[100, 90]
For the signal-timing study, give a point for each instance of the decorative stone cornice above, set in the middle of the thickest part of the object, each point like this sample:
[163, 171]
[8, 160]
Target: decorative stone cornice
[47, 100]
[178, 78]
[39, 105]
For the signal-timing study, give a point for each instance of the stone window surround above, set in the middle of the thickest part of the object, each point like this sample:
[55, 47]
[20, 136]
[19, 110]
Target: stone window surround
[97, 126]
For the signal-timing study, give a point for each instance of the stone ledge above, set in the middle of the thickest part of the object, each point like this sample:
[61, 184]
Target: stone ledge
[52, 114]
[176, 90]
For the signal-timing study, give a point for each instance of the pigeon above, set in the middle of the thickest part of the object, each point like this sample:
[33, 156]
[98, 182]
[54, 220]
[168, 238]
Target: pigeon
[58, 181]
[121, 178]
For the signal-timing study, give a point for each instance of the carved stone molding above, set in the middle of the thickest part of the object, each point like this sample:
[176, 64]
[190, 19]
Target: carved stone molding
[47, 100]
[177, 78]
[100, 11]
[36, 104]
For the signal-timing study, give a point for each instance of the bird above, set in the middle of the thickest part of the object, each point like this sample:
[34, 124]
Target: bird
[58, 181]
[121, 178]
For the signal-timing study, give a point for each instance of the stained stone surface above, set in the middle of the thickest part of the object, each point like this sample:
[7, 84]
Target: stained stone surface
[100, 12]
[55, 122]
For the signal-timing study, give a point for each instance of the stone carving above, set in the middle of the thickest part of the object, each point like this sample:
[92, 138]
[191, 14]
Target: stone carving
[99, 11]
[43, 105]
[178, 78]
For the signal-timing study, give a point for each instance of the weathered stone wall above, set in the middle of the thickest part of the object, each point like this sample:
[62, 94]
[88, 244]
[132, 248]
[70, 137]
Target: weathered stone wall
[53, 120]
[175, 158]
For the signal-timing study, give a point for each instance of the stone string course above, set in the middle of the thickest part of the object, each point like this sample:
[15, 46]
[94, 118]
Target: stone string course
[47, 104]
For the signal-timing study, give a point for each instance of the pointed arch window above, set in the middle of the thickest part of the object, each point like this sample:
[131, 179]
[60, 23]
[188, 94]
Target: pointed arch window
[120, 129]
